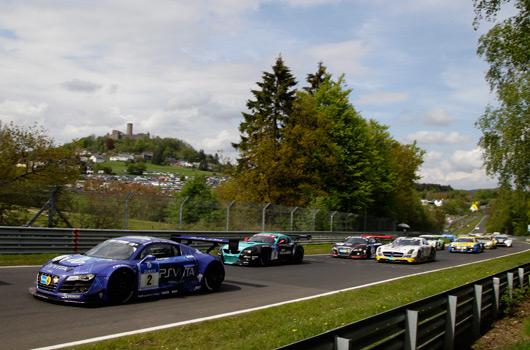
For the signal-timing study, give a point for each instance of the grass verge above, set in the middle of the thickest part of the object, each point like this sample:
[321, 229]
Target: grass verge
[278, 326]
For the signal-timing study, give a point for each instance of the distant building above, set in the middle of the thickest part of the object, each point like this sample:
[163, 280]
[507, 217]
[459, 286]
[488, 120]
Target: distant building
[118, 135]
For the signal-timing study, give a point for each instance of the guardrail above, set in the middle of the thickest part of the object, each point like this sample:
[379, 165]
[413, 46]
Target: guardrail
[450, 320]
[34, 240]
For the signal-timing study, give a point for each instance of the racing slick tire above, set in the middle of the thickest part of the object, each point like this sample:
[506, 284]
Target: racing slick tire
[213, 277]
[121, 287]
[419, 258]
[298, 255]
[369, 253]
[264, 258]
[433, 255]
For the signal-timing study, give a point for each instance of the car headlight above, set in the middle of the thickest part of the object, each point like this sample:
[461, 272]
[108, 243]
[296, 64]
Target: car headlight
[249, 251]
[84, 277]
[410, 252]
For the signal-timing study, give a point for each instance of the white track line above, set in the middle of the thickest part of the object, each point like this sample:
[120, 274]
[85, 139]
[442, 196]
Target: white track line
[234, 313]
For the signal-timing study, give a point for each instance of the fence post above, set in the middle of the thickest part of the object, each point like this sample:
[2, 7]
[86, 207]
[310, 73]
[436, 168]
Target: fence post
[331, 221]
[228, 214]
[450, 322]
[180, 212]
[292, 217]
[477, 310]
[263, 217]
[411, 332]
[521, 277]
[314, 218]
[127, 209]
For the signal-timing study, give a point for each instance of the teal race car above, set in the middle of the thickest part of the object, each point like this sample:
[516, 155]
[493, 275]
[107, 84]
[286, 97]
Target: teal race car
[264, 248]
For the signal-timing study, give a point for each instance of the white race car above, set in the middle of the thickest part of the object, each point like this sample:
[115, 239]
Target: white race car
[409, 249]
[504, 241]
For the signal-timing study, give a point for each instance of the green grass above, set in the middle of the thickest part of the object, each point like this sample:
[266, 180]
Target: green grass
[277, 326]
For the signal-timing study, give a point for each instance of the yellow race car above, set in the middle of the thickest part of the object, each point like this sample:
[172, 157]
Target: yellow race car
[466, 244]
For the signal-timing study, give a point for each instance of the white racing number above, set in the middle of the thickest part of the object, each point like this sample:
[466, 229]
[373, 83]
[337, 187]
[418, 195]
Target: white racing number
[149, 275]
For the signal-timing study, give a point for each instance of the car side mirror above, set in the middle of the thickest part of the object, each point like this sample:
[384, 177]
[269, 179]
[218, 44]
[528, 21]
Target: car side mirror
[148, 258]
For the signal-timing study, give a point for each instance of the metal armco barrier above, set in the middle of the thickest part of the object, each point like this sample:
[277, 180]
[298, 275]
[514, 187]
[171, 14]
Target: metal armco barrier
[449, 320]
[38, 240]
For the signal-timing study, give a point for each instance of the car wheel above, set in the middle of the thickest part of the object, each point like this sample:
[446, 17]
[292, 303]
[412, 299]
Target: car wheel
[121, 287]
[419, 258]
[433, 255]
[264, 258]
[298, 255]
[368, 253]
[213, 277]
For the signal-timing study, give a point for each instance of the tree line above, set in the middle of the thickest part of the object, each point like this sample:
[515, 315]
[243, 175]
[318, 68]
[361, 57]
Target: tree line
[309, 147]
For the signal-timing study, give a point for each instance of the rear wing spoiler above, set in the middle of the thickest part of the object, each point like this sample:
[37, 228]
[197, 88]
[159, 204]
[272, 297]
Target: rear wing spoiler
[297, 238]
[233, 243]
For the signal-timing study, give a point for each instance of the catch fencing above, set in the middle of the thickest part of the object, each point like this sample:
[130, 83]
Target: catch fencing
[132, 209]
[38, 240]
[450, 320]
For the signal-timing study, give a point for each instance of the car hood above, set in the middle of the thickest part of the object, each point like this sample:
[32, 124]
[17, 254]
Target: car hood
[342, 244]
[399, 248]
[76, 264]
[462, 244]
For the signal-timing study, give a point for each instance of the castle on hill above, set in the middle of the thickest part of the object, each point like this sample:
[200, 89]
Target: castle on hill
[118, 135]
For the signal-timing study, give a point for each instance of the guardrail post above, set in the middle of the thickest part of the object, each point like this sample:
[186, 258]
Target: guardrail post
[496, 296]
[521, 277]
[477, 310]
[411, 332]
[228, 214]
[342, 343]
[510, 284]
[450, 322]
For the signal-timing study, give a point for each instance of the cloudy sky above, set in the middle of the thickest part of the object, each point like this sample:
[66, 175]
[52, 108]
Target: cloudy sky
[184, 69]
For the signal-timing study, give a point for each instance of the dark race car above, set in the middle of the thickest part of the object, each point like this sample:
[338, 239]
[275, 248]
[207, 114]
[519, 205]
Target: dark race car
[264, 248]
[121, 269]
[358, 247]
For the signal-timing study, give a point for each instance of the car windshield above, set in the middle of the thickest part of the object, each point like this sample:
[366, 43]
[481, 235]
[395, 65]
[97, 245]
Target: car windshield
[262, 239]
[113, 249]
[502, 237]
[407, 242]
[464, 240]
[430, 238]
[355, 240]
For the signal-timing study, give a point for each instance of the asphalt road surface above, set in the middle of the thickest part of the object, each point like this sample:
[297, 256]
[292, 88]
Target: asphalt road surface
[28, 323]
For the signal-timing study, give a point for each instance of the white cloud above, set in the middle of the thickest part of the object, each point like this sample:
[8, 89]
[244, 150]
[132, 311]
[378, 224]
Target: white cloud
[22, 112]
[438, 138]
[382, 98]
[438, 117]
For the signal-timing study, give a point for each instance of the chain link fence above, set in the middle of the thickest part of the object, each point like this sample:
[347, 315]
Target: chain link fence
[50, 206]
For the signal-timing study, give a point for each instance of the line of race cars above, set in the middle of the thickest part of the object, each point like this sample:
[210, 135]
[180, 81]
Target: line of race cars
[121, 269]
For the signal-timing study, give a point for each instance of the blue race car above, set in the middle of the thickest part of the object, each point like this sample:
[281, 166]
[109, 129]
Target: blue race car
[264, 248]
[121, 269]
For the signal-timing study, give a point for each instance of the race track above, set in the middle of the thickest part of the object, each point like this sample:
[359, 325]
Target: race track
[28, 323]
